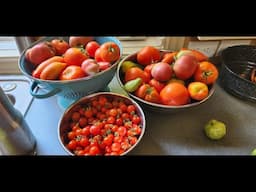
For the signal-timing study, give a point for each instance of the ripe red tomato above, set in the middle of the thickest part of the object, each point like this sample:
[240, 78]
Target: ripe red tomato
[148, 93]
[60, 46]
[109, 51]
[174, 94]
[206, 73]
[75, 56]
[91, 48]
[148, 55]
[72, 72]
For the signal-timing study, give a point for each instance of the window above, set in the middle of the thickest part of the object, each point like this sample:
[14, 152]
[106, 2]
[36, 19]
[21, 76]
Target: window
[9, 55]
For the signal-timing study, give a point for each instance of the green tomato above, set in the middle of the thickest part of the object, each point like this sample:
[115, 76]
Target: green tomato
[215, 129]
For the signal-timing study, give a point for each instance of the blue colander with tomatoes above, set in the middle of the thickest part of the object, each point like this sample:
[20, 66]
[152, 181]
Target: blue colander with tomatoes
[70, 88]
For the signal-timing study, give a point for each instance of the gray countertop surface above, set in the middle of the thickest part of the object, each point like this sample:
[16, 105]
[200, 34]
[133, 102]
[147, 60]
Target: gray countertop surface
[166, 134]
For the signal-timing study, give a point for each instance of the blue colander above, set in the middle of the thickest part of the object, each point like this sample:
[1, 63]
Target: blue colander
[70, 89]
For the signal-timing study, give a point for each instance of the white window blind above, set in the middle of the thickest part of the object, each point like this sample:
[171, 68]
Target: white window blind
[9, 55]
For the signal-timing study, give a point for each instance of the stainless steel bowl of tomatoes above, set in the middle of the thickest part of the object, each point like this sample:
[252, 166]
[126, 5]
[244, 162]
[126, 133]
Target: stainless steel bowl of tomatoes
[102, 123]
[167, 81]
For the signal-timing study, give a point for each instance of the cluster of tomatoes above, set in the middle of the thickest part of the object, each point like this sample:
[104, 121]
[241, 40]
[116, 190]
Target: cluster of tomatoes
[78, 57]
[103, 126]
[169, 78]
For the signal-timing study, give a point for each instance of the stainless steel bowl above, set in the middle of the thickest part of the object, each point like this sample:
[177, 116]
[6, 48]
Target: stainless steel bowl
[153, 106]
[63, 126]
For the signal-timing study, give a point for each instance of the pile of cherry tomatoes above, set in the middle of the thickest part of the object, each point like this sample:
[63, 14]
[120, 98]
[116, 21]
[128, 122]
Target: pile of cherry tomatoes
[104, 125]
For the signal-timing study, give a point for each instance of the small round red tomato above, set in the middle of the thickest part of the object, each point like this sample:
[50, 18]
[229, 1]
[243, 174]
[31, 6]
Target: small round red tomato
[148, 55]
[60, 45]
[72, 72]
[91, 48]
[75, 56]
[109, 51]
[94, 150]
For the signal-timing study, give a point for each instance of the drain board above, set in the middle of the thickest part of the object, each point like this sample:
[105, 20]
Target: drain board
[16, 87]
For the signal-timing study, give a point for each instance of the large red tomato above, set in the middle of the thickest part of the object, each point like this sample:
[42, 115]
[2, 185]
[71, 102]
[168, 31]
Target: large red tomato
[148, 55]
[109, 52]
[175, 94]
[185, 66]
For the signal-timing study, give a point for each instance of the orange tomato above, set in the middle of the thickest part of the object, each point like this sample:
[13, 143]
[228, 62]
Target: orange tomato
[60, 46]
[206, 72]
[148, 93]
[136, 72]
[169, 57]
[36, 73]
[157, 84]
[72, 72]
[53, 70]
[174, 94]
[198, 90]
[109, 52]
[75, 56]
[148, 55]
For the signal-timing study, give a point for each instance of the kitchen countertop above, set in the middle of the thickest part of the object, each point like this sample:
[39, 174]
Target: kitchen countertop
[166, 134]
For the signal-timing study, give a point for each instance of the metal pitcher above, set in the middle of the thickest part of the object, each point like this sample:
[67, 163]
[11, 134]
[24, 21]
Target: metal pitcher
[16, 137]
